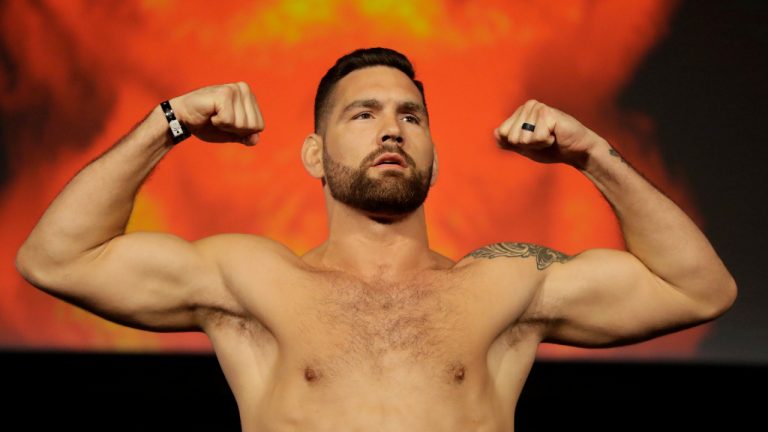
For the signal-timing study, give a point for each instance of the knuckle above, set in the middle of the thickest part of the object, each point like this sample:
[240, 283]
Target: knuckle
[225, 91]
[244, 86]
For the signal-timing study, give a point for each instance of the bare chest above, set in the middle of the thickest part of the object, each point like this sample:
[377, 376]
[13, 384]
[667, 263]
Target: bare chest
[345, 322]
[413, 343]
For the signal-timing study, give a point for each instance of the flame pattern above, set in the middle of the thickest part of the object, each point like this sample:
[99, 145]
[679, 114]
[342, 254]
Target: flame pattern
[77, 75]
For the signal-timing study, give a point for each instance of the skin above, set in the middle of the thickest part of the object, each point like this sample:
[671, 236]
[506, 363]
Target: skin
[372, 329]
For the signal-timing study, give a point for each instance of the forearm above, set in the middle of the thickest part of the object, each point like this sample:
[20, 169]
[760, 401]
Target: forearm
[96, 204]
[655, 229]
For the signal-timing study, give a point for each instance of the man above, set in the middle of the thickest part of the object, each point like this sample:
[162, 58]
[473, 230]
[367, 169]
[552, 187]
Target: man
[372, 329]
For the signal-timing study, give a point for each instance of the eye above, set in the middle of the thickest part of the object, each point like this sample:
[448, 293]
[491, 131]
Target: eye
[363, 115]
[410, 118]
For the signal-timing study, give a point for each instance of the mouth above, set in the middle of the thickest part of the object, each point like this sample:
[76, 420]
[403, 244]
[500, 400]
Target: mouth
[390, 160]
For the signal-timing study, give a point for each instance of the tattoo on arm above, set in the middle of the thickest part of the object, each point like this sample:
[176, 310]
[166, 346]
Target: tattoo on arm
[544, 255]
[614, 153]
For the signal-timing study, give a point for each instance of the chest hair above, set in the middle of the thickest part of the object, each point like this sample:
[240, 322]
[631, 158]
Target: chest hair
[415, 318]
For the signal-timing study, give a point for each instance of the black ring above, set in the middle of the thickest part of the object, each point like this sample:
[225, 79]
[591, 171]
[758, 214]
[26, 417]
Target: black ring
[529, 126]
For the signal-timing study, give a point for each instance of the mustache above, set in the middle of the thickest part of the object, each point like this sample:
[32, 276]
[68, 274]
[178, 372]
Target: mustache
[368, 160]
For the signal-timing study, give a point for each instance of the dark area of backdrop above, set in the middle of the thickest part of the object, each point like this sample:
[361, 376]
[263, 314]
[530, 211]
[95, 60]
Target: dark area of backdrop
[690, 108]
[111, 392]
[705, 87]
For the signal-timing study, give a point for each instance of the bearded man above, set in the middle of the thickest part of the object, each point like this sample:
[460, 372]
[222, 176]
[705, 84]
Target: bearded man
[372, 329]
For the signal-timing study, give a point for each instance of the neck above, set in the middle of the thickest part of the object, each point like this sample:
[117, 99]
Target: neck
[374, 245]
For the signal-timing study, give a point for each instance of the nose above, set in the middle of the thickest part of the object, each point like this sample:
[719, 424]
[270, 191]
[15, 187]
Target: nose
[391, 133]
[392, 138]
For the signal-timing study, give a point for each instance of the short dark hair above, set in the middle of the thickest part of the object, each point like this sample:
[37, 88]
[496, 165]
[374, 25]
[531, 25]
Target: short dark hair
[359, 59]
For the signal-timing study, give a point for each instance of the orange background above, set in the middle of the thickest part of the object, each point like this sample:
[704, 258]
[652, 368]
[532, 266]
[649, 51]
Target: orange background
[81, 74]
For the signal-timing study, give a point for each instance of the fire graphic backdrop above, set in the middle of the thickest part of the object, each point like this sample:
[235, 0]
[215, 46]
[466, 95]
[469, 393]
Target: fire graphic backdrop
[77, 75]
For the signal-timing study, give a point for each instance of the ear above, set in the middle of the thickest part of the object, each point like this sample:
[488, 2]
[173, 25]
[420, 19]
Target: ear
[312, 155]
[435, 168]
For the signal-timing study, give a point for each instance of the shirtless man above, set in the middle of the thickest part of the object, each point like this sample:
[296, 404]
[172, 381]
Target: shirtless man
[373, 330]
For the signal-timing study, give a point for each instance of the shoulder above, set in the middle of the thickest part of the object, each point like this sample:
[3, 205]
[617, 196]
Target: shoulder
[510, 276]
[512, 265]
[239, 241]
[231, 248]
[250, 267]
[533, 255]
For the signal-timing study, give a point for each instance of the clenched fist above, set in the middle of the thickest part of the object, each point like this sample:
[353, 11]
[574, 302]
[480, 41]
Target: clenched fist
[545, 134]
[221, 113]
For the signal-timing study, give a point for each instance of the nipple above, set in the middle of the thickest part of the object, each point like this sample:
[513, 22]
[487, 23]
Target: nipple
[459, 371]
[310, 374]
[458, 374]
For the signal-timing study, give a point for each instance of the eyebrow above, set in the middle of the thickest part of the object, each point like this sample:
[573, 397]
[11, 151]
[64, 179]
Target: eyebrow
[408, 106]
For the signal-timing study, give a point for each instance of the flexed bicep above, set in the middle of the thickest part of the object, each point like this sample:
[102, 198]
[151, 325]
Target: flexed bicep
[605, 297]
[152, 281]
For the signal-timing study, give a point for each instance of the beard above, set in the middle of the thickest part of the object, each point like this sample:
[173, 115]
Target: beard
[394, 193]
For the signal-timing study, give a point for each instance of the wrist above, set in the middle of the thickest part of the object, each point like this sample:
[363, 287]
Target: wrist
[177, 131]
[596, 156]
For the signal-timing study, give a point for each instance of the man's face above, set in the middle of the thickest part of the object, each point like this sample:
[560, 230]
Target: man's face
[378, 152]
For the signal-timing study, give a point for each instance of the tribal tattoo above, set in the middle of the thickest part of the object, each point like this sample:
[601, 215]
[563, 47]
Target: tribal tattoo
[544, 255]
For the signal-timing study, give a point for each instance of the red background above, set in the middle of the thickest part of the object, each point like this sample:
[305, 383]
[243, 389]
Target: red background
[83, 73]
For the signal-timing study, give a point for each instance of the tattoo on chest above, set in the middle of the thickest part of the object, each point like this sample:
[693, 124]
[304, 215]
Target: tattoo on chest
[544, 255]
